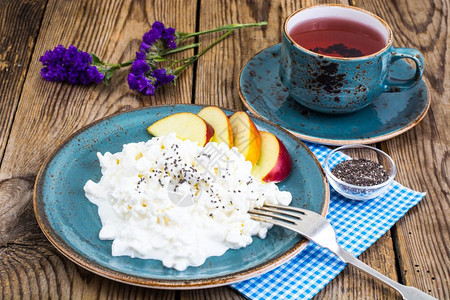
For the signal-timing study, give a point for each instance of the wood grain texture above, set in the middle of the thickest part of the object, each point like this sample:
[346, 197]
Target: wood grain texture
[17, 40]
[220, 293]
[422, 154]
[47, 113]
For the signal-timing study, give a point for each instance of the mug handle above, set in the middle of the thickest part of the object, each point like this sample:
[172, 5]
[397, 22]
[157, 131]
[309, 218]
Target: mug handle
[400, 85]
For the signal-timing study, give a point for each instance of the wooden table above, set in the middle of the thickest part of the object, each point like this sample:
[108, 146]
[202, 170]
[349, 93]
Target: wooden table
[35, 116]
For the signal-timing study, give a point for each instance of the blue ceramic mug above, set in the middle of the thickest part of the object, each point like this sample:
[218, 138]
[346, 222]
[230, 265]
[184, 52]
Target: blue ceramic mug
[337, 85]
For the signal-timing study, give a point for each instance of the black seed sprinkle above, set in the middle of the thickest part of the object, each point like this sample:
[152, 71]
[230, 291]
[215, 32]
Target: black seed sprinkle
[361, 172]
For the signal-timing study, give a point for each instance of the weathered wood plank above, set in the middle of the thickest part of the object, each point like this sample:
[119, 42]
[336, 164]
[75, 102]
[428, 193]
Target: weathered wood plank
[220, 293]
[422, 236]
[47, 113]
[57, 110]
[217, 84]
[17, 39]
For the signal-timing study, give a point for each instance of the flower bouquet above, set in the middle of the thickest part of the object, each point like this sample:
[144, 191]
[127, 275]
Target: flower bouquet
[151, 69]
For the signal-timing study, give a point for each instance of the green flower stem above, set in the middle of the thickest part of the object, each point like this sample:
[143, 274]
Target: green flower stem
[160, 57]
[194, 58]
[108, 69]
[220, 28]
[118, 66]
[127, 63]
[187, 47]
[174, 62]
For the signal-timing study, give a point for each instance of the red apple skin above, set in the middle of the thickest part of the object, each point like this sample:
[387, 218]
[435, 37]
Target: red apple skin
[282, 167]
[209, 133]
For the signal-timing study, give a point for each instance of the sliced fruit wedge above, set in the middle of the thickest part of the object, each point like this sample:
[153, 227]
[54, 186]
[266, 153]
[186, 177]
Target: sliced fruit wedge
[274, 163]
[246, 136]
[187, 126]
[219, 121]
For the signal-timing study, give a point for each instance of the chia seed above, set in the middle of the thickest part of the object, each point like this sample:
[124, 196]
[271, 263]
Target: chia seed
[360, 172]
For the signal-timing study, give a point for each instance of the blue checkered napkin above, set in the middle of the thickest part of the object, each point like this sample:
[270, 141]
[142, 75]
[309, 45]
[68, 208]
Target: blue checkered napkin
[358, 225]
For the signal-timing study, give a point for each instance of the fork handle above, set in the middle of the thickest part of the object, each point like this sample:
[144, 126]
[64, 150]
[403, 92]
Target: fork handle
[407, 292]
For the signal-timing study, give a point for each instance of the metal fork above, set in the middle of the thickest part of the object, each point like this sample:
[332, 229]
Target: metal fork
[317, 229]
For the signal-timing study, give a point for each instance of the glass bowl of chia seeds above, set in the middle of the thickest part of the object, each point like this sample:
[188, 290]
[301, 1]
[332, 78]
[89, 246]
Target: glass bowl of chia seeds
[360, 172]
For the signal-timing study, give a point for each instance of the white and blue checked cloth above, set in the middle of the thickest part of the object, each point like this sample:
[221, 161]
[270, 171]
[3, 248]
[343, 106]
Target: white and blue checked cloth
[358, 224]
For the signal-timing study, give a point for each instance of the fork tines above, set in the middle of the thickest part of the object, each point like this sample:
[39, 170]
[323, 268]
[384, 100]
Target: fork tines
[278, 215]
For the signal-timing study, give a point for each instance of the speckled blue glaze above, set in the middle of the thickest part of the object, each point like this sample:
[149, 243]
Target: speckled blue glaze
[72, 224]
[342, 85]
[389, 115]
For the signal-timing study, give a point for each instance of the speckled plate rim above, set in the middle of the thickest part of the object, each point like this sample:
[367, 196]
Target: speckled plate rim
[98, 269]
[337, 142]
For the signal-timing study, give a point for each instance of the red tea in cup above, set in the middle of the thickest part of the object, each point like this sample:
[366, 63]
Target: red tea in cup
[338, 37]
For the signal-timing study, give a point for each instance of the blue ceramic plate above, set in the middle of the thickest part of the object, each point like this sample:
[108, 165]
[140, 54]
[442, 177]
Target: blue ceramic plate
[72, 224]
[389, 115]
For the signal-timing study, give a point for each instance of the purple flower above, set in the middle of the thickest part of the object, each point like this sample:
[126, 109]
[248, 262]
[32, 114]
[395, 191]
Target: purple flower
[144, 79]
[137, 79]
[140, 65]
[150, 38]
[158, 32]
[169, 36]
[144, 47]
[71, 65]
[161, 77]
[141, 84]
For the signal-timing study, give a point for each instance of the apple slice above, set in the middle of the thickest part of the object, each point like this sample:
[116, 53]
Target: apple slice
[274, 163]
[219, 121]
[246, 136]
[187, 126]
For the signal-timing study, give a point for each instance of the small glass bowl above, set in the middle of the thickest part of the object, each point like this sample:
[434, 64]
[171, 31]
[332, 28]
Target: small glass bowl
[357, 192]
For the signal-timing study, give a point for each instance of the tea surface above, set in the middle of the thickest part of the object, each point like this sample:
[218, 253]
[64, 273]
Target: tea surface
[337, 37]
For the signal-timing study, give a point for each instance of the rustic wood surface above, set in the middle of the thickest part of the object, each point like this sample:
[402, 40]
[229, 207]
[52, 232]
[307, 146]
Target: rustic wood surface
[35, 116]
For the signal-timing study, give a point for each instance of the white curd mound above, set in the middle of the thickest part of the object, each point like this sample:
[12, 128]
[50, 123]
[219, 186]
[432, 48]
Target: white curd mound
[177, 202]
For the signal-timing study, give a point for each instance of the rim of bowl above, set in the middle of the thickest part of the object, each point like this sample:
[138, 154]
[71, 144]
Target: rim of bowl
[369, 187]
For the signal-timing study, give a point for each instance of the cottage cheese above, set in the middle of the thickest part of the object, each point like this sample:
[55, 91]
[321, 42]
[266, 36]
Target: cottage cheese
[174, 201]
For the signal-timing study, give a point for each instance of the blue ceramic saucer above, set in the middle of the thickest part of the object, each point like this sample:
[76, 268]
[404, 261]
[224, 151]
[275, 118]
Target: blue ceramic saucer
[389, 115]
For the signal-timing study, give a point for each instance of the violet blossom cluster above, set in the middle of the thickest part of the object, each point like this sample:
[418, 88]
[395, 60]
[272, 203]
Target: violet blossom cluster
[70, 65]
[143, 77]
[159, 37]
